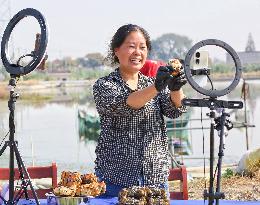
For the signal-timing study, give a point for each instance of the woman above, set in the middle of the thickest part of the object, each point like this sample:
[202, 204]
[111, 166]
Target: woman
[132, 147]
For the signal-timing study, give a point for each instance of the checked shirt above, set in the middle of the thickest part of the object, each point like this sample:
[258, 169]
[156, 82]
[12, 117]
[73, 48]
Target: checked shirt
[132, 142]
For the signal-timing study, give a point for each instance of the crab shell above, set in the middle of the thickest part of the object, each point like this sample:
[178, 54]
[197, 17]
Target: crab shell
[176, 65]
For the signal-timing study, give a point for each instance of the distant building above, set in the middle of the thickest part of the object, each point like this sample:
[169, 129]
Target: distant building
[249, 56]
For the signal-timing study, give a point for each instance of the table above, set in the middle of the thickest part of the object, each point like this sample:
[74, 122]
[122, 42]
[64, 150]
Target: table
[113, 201]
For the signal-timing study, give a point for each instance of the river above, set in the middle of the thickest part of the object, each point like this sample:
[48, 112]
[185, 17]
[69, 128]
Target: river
[48, 131]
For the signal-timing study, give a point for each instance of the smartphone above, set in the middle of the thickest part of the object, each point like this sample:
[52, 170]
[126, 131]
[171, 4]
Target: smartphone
[200, 61]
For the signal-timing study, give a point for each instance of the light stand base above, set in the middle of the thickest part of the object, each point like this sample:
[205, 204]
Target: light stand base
[24, 176]
[214, 104]
[14, 153]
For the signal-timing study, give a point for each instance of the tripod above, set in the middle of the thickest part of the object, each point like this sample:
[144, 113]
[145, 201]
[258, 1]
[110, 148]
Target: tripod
[219, 124]
[14, 152]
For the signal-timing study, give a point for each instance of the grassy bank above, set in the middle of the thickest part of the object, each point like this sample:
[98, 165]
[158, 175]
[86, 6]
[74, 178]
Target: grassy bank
[34, 90]
[242, 188]
[230, 76]
[34, 97]
[235, 187]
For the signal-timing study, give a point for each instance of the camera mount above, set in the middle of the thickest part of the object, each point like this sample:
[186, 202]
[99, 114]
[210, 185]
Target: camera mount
[219, 123]
[189, 72]
[16, 71]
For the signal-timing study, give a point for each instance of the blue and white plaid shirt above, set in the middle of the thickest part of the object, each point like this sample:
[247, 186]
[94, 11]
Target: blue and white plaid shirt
[132, 142]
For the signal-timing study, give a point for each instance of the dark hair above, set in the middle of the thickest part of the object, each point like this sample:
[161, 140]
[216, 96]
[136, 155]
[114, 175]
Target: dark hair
[120, 36]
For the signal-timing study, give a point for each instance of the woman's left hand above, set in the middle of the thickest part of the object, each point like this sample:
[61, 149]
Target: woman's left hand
[176, 82]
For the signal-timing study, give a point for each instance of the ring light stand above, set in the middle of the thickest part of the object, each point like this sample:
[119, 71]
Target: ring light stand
[16, 71]
[219, 123]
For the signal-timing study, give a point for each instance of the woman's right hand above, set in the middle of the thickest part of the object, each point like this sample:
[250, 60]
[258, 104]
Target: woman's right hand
[162, 78]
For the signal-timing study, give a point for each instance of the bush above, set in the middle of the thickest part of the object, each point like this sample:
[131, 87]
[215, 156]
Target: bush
[88, 74]
[228, 173]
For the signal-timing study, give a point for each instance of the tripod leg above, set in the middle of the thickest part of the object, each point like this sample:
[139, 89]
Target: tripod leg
[19, 158]
[11, 167]
[24, 184]
[3, 148]
[3, 200]
[211, 183]
[220, 155]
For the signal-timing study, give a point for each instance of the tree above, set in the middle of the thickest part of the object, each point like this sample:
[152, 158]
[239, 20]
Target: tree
[94, 60]
[170, 46]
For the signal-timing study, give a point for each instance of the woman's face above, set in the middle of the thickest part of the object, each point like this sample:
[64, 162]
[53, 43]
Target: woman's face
[132, 53]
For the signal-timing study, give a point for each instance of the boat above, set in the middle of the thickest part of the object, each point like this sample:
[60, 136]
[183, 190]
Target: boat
[88, 126]
[178, 135]
[181, 121]
[89, 129]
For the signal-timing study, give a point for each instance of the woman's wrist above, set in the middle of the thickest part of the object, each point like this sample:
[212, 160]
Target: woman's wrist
[177, 97]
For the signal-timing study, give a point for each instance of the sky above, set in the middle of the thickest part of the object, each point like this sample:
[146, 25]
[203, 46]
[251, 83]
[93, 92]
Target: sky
[79, 27]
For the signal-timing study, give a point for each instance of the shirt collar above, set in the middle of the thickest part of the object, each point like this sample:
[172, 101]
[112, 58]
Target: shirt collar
[115, 76]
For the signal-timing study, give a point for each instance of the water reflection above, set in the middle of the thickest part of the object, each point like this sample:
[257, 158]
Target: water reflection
[46, 129]
[89, 126]
[178, 135]
[52, 127]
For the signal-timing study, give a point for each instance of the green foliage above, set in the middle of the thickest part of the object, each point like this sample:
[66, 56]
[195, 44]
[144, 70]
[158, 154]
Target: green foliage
[38, 76]
[87, 74]
[35, 97]
[225, 68]
[228, 173]
[170, 46]
[94, 60]
[251, 68]
[221, 68]
[76, 74]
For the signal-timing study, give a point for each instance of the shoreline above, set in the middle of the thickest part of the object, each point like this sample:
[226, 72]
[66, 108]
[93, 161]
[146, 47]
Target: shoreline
[41, 84]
